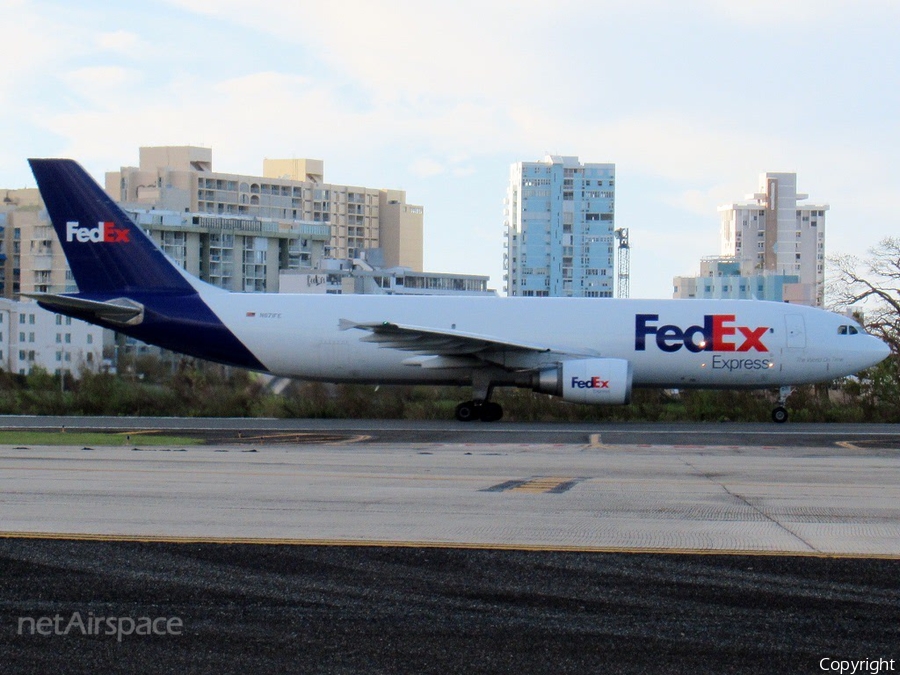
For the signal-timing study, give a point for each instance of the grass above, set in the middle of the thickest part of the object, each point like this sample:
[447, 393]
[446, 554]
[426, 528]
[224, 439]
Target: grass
[88, 438]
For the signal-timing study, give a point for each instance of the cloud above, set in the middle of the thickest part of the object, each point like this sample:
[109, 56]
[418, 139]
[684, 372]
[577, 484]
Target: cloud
[703, 202]
[244, 118]
[798, 13]
[427, 167]
[99, 83]
[404, 49]
[34, 42]
[480, 79]
[263, 85]
[120, 42]
[462, 171]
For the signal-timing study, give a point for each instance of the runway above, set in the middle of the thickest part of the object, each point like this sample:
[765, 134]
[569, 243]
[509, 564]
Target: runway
[403, 431]
[315, 546]
[833, 498]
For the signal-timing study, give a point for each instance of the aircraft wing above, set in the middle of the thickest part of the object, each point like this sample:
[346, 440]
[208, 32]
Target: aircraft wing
[442, 348]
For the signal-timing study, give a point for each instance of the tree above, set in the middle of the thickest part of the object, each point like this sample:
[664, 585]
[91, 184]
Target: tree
[873, 284]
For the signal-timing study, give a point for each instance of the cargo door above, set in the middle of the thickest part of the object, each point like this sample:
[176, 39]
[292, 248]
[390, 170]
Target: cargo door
[796, 331]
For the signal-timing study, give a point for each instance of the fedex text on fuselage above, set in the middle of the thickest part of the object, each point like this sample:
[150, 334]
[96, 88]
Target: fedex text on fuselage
[718, 333]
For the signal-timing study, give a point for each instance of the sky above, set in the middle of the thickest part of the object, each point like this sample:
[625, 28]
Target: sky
[691, 100]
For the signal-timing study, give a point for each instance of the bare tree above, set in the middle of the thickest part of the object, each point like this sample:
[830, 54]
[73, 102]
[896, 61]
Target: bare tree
[874, 284]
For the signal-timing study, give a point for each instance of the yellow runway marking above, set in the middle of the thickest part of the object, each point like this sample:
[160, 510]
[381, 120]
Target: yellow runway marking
[360, 438]
[305, 437]
[548, 548]
[542, 484]
[849, 445]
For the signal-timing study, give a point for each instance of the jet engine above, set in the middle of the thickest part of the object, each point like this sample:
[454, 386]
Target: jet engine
[596, 381]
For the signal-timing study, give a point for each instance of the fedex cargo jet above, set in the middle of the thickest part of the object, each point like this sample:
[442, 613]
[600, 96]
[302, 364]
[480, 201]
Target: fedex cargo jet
[583, 350]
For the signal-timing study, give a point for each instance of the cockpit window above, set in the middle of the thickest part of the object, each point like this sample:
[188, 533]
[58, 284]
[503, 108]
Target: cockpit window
[848, 330]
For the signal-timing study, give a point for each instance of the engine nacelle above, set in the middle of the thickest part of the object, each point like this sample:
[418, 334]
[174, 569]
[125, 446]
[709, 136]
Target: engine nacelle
[596, 381]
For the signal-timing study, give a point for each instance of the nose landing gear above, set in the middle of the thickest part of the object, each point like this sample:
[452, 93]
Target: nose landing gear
[780, 413]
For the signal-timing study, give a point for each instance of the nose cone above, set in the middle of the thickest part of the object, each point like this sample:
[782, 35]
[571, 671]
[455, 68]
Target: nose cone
[879, 350]
[865, 352]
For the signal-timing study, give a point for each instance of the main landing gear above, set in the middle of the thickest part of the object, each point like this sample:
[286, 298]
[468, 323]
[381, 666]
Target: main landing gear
[780, 413]
[481, 407]
[486, 411]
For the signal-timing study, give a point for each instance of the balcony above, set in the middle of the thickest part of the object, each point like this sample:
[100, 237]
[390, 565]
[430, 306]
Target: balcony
[42, 262]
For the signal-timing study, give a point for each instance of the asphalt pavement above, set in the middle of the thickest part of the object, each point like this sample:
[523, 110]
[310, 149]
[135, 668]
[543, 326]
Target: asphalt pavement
[333, 609]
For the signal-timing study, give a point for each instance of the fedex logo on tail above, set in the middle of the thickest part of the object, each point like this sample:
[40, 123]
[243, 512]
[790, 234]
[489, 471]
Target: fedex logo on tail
[105, 232]
[717, 334]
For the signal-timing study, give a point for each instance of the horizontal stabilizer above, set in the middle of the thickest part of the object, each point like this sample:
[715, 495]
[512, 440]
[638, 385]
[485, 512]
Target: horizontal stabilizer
[119, 312]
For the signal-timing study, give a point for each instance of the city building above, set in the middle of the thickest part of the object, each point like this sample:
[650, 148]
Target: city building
[559, 222]
[772, 233]
[722, 277]
[33, 337]
[234, 231]
[238, 253]
[368, 276]
[30, 258]
[772, 248]
[290, 192]
[30, 336]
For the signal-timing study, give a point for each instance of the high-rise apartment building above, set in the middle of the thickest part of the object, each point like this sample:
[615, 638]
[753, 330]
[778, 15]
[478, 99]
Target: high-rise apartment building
[31, 262]
[239, 253]
[559, 229]
[241, 233]
[30, 258]
[772, 248]
[771, 233]
[290, 191]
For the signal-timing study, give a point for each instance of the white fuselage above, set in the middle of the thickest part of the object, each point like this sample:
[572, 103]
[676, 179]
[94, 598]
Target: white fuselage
[756, 343]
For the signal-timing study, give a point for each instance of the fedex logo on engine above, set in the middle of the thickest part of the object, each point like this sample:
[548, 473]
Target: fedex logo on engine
[717, 334]
[105, 232]
[592, 383]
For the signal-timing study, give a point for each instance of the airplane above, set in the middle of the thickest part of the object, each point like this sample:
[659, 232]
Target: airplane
[583, 350]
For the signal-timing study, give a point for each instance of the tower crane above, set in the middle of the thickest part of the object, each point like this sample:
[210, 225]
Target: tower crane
[623, 268]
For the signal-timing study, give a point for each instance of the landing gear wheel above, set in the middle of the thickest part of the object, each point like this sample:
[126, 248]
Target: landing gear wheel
[491, 412]
[780, 415]
[468, 411]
